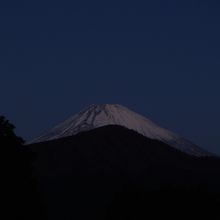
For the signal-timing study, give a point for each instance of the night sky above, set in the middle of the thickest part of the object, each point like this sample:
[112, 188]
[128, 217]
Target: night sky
[159, 58]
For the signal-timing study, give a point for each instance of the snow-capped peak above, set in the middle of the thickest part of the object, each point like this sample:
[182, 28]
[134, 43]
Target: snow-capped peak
[113, 114]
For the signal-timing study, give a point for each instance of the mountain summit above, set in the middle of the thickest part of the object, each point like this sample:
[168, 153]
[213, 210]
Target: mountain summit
[97, 116]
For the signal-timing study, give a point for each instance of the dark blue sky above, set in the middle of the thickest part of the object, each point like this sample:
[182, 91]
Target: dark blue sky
[159, 58]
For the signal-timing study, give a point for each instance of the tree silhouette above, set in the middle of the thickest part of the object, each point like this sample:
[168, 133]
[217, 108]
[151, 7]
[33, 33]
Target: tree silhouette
[7, 135]
[19, 187]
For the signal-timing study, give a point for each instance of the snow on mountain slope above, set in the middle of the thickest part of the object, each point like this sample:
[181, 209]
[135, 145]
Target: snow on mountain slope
[101, 115]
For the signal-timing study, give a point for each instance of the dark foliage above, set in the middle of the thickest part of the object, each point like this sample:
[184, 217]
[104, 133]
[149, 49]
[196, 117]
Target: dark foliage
[19, 195]
[7, 135]
[115, 173]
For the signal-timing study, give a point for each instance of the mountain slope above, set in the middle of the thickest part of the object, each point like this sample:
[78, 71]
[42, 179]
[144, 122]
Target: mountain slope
[115, 173]
[101, 115]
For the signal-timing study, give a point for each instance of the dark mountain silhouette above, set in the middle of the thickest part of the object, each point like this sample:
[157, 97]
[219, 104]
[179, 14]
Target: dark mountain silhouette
[115, 173]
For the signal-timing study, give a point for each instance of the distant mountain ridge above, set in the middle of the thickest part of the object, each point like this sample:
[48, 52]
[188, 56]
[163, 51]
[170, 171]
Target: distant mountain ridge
[96, 116]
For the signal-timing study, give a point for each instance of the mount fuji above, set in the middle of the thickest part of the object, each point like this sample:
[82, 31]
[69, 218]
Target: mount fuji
[96, 116]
